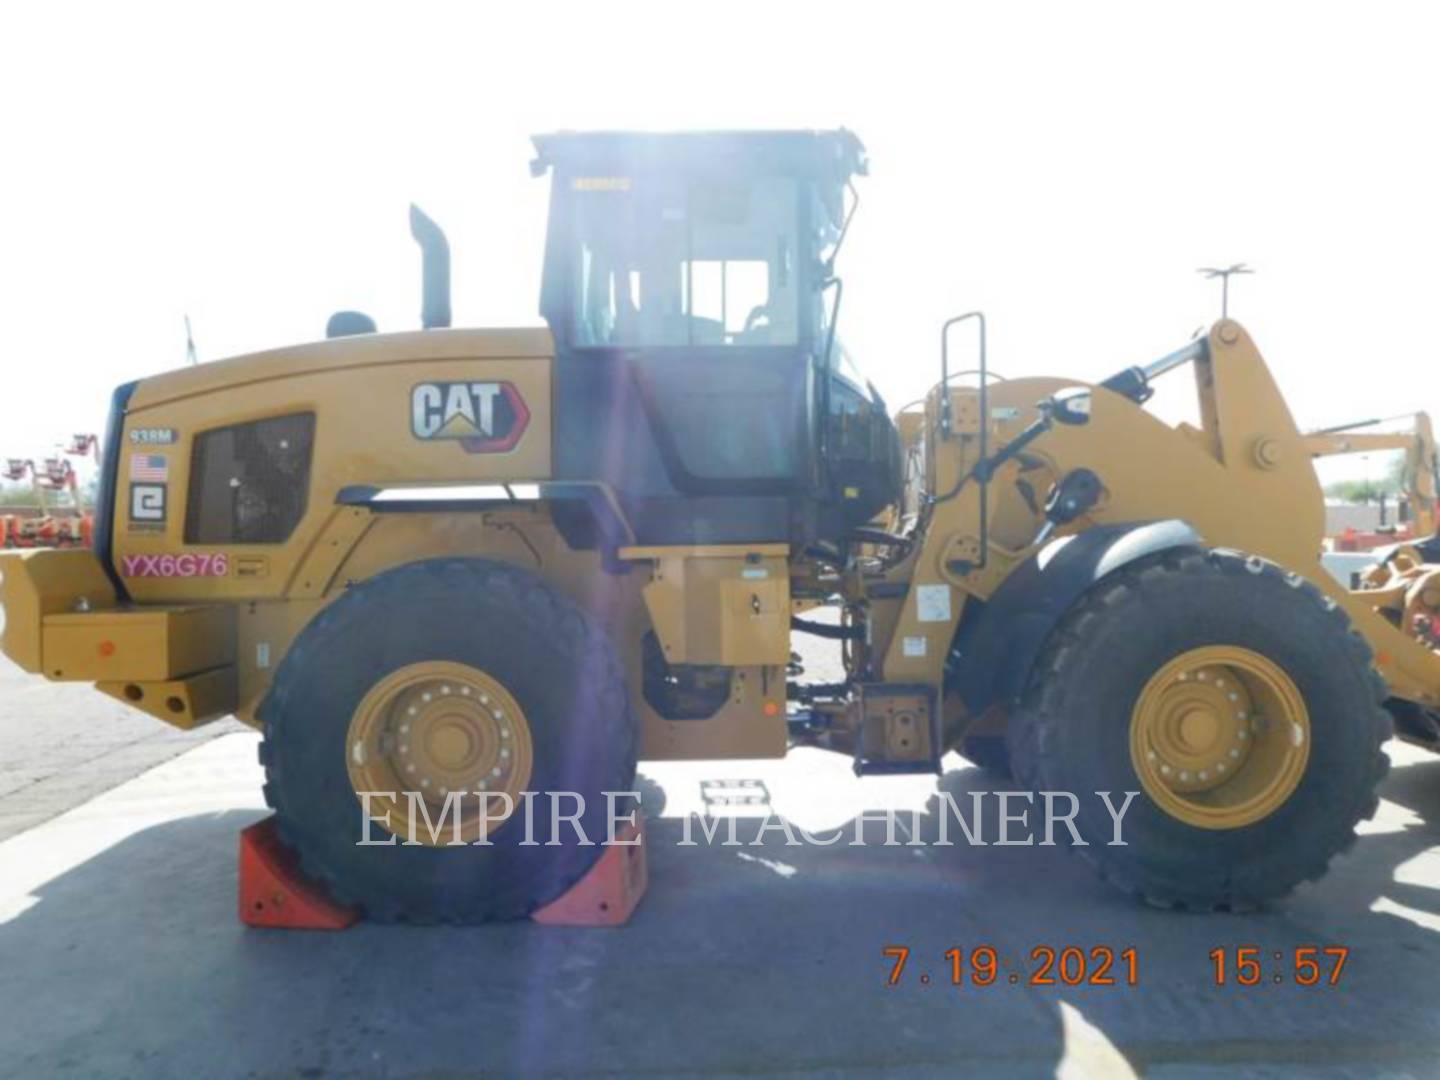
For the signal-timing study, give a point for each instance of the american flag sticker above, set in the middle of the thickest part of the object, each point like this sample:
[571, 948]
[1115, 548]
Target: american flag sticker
[149, 468]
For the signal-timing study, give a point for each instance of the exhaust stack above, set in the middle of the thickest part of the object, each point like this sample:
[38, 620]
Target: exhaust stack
[435, 269]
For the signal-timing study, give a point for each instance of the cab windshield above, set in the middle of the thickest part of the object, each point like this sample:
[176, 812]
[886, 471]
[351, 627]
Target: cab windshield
[682, 262]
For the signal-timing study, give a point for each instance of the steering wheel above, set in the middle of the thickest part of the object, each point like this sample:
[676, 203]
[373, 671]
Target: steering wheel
[758, 312]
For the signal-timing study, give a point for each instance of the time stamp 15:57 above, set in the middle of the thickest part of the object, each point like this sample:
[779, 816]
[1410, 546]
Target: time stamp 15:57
[1104, 965]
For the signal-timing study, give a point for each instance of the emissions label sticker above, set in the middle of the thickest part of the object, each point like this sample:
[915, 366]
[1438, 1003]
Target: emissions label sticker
[932, 603]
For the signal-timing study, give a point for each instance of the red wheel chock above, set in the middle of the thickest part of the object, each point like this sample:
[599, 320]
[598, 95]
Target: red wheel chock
[610, 890]
[274, 893]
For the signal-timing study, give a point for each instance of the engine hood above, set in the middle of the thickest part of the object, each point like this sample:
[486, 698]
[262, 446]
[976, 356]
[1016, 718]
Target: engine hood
[361, 351]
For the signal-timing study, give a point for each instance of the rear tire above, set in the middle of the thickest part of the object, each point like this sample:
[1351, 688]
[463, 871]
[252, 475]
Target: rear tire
[1074, 729]
[551, 658]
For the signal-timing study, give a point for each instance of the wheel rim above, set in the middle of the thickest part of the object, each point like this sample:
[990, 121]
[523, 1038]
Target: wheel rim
[1220, 737]
[449, 733]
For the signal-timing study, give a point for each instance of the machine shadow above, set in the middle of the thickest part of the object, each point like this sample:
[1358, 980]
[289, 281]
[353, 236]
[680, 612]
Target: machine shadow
[762, 956]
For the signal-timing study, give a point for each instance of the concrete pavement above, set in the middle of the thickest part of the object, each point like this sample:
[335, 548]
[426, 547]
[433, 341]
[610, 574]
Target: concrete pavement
[61, 743]
[120, 954]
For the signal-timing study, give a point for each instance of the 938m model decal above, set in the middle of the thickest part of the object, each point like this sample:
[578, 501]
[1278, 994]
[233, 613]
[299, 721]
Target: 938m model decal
[484, 417]
[152, 436]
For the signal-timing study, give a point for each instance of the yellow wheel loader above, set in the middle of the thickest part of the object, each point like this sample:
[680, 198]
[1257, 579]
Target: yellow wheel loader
[446, 571]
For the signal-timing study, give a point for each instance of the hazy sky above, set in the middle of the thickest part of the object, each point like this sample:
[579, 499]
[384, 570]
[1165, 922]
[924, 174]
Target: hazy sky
[1065, 167]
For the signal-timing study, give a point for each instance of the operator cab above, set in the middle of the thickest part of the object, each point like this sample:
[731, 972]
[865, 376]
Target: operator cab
[689, 288]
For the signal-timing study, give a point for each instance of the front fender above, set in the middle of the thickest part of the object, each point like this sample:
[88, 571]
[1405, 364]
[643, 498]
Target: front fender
[999, 640]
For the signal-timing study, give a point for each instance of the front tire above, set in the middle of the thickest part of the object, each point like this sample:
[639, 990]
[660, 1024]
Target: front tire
[514, 668]
[1239, 704]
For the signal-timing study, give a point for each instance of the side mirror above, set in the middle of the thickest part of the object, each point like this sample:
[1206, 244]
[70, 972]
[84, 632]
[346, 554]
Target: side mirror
[1071, 406]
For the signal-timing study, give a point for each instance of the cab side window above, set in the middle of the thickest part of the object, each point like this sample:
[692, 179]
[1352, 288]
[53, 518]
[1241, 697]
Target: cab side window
[687, 263]
[249, 482]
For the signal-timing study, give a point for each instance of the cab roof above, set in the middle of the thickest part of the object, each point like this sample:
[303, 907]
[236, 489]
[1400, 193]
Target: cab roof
[825, 155]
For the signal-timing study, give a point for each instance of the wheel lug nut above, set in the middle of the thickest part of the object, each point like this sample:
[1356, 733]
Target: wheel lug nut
[1234, 753]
